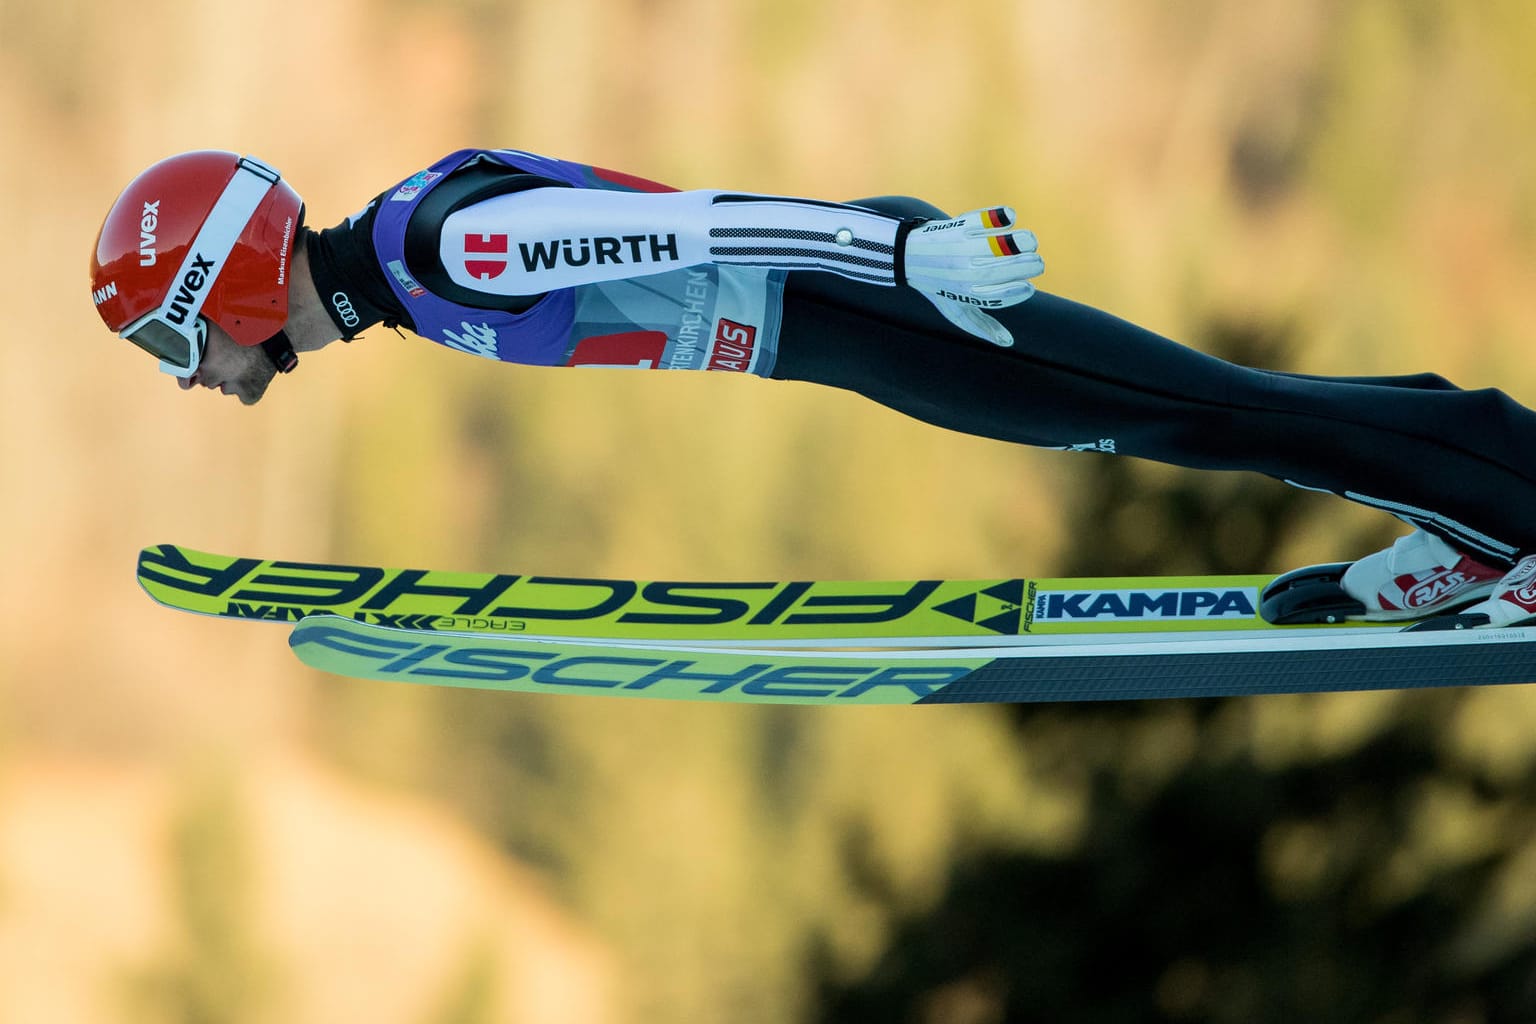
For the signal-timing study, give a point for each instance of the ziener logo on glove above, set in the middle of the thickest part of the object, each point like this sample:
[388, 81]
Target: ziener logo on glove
[970, 300]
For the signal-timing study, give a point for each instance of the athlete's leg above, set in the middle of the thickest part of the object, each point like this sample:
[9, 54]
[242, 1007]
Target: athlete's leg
[1460, 463]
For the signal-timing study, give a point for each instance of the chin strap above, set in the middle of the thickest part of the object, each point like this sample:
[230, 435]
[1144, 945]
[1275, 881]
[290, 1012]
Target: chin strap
[280, 350]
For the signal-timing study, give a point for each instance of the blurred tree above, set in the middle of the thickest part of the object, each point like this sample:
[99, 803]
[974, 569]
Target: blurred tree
[1233, 892]
[1231, 889]
[474, 994]
[216, 973]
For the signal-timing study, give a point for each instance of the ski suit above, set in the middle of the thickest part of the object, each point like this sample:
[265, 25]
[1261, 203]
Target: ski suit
[522, 258]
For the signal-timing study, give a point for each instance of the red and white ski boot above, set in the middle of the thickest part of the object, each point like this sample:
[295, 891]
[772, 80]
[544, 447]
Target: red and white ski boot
[1512, 603]
[1420, 575]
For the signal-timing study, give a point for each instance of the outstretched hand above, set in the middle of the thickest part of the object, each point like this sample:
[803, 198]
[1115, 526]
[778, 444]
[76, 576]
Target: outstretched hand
[972, 263]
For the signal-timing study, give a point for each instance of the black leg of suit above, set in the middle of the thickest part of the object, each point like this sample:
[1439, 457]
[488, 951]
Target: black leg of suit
[1459, 463]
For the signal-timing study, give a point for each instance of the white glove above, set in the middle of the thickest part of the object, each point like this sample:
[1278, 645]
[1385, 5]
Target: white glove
[973, 263]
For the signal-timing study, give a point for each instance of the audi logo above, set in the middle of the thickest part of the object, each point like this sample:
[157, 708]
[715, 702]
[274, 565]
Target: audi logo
[343, 307]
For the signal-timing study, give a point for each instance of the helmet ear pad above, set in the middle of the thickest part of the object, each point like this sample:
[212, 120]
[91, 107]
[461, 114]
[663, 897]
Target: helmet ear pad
[152, 226]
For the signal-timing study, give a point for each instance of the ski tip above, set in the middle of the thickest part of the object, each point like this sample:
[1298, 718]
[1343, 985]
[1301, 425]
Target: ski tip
[165, 554]
[149, 556]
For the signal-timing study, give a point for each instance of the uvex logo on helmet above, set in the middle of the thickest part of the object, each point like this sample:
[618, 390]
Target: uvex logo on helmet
[147, 224]
[193, 281]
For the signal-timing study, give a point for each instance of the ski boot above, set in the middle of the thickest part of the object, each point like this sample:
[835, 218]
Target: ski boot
[1512, 603]
[1419, 576]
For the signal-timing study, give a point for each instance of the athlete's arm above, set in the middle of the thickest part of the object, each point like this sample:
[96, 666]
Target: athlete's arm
[538, 240]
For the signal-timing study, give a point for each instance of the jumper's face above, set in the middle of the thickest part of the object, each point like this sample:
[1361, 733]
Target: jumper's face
[233, 369]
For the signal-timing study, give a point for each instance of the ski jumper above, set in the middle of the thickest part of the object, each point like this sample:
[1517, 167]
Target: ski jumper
[521, 258]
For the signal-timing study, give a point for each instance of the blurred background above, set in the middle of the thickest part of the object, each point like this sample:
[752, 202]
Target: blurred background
[195, 828]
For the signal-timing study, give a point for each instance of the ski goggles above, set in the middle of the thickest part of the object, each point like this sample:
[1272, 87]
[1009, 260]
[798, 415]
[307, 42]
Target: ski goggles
[175, 332]
[179, 349]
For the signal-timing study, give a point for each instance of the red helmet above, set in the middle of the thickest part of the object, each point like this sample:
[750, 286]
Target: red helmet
[206, 234]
